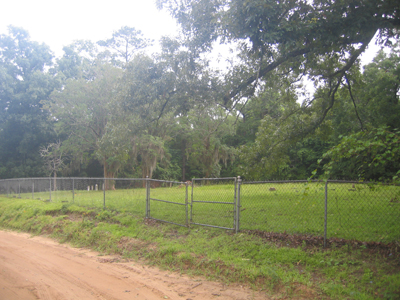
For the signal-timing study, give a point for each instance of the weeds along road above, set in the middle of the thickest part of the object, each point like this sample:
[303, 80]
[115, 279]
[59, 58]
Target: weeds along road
[40, 268]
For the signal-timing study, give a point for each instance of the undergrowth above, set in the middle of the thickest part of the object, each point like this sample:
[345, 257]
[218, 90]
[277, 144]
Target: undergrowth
[281, 271]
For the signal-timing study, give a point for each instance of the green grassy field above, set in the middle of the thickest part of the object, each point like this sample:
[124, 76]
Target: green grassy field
[359, 212]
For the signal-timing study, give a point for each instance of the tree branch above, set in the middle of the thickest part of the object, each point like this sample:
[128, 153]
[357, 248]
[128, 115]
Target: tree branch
[354, 103]
[263, 71]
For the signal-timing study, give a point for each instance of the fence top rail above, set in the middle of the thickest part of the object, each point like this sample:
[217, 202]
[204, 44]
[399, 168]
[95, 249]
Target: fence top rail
[166, 181]
[138, 179]
[66, 178]
[313, 181]
[223, 178]
[356, 182]
[276, 181]
[195, 179]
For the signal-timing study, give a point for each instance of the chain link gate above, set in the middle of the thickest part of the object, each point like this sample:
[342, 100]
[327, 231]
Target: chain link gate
[215, 202]
[167, 201]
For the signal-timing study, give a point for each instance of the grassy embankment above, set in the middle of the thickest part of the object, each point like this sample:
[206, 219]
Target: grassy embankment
[297, 272]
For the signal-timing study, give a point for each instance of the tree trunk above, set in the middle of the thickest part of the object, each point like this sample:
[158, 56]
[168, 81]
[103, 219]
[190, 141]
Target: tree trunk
[109, 183]
[144, 174]
[55, 181]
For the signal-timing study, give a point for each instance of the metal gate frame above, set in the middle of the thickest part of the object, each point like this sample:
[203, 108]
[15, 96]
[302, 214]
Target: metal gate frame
[149, 199]
[235, 203]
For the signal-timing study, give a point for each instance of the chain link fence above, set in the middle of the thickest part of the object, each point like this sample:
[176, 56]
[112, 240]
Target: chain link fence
[347, 210]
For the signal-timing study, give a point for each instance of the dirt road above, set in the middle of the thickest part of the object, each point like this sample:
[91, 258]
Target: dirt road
[40, 268]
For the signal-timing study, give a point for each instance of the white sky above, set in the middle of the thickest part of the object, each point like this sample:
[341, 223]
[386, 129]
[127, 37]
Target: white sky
[58, 23]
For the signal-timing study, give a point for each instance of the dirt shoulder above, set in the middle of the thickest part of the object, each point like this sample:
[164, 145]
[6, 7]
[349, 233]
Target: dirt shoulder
[40, 268]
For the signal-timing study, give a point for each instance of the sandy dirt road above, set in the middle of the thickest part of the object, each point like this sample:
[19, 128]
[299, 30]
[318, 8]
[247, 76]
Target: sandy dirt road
[40, 268]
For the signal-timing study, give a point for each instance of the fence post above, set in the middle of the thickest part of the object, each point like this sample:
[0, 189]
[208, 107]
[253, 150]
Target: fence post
[186, 204]
[147, 198]
[239, 182]
[73, 190]
[33, 189]
[50, 189]
[235, 183]
[191, 202]
[104, 194]
[19, 189]
[326, 213]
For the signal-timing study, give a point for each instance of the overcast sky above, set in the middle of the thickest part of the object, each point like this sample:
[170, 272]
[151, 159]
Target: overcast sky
[58, 23]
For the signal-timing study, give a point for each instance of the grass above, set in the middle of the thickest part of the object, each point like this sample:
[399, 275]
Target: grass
[354, 212]
[361, 213]
[280, 272]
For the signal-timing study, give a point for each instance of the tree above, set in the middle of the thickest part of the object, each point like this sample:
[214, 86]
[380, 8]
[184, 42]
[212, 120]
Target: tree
[124, 44]
[373, 154]
[380, 90]
[140, 116]
[363, 103]
[320, 39]
[82, 111]
[205, 147]
[24, 82]
[369, 151]
[78, 60]
[290, 40]
[166, 97]
[54, 159]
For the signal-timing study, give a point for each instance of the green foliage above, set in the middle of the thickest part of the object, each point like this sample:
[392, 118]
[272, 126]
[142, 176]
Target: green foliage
[174, 115]
[24, 82]
[280, 150]
[291, 137]
[381, 89]
[372, 154]
[312, 37]
[124, 43]
[77, 61]
[81, 110]
[283, 41]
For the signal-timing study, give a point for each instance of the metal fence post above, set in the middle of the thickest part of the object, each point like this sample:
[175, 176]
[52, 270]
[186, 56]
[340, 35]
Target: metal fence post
[326, 213]
[191, 202]
[50, 189]
[239, 182]
[73, 190]
[19, 189]
[235, 183]
[147, 197]
[33, 189]
[186, 204]
[104, 194]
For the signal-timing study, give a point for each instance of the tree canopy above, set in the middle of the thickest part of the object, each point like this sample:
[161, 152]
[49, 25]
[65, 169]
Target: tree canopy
[321, 39]
[114, 109]
[24, 125]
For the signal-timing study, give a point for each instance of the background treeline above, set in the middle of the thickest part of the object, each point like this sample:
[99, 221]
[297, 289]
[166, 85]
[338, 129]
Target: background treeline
[110, 108]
